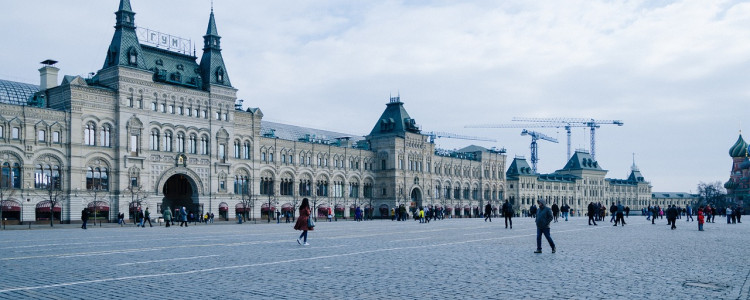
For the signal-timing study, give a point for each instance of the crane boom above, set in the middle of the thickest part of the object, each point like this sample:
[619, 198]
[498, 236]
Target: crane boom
[566, 123]
[437, 134]
[534, 148]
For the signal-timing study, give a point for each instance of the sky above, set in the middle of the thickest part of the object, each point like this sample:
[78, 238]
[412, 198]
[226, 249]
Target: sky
[675, 72]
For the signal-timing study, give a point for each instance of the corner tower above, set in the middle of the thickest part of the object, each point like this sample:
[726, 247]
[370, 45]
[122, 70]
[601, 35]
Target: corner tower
[212, 68]
[124, 50]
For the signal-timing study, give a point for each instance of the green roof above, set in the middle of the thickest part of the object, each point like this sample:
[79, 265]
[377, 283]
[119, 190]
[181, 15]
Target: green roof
[519, 167]
[394, 120]
[739, 149]
[582, 161]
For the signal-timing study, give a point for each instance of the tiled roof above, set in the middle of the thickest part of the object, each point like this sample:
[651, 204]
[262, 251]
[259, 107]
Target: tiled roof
[297, 133]
[17, 93]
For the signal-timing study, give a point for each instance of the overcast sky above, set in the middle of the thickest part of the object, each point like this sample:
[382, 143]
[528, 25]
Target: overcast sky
[675, 72]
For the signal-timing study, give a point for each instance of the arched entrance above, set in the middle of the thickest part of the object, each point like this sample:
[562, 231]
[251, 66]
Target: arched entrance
[179, 191]
[416, 197]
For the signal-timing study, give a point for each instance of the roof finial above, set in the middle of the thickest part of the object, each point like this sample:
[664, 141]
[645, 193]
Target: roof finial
[212, 6]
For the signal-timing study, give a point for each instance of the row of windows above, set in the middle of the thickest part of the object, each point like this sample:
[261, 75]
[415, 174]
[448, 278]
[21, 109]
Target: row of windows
[89, 135]
[167, 142]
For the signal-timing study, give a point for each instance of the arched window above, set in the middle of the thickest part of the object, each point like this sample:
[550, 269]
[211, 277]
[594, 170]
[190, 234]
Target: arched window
[46, 176]
[241, 185]
[168, 141]
[132, 57]
[220, 75]
[89, 134]
[191, 144]
[154, 141]
[180, 143]
[104, 136]
[204, 145]
[5, 178]
[246, 151]
[236, 149]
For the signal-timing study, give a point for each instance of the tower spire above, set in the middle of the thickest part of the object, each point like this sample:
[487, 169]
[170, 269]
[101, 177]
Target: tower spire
[213, 70]
[125, 50]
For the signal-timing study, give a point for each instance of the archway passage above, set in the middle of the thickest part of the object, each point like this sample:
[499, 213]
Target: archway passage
[416, 197]
[178, 192]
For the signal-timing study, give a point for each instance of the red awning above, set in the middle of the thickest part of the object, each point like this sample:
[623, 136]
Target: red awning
[264, 207]
[98, 206]
[10, 206]
[286, 207]
[45, 205]
[223, 206]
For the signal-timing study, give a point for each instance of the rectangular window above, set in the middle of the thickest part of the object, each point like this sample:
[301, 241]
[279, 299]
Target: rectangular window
[180, 110]
[2, 132]
[134, 144]
[204, 114]
[221, 151]
[382, 164]
[218, 116]
[56, 137]
[226, 116]
[134, 181]
[171, 109]
[41, 135]
[153, 106]
[15, 133]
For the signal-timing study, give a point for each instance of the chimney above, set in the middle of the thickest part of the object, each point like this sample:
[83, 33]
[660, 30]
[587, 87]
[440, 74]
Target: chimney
[48, 75]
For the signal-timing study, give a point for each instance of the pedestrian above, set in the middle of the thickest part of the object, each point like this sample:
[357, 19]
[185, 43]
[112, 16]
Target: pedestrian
[543, 219]
[627, 211]
[167, 214]
[85, 217]
[730, 215]
[592, 213]
[357, 214]
[183, 217]
[672, 213]
[619, 214]
[278, 216]
[555, 211]
[700, 218]
[303, 221]
[421, 214]
[508, 214]
[739, 211]
[211, 217]
[488, 212]
[565, 209]
[688, 213]
[146, 217]
[121, 219]
[330, 215]
[613, 212]
[532, 211]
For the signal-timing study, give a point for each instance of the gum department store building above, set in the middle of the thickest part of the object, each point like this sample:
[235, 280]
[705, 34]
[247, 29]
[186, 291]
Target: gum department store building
[157, 128]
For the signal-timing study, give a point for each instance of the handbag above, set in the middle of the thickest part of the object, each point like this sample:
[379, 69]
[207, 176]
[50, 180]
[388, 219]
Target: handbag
[310, 222]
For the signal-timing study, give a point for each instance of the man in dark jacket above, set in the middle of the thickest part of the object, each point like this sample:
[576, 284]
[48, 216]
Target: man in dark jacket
[619, 213]
[85, 218]
[555, 211]
[508, 214]
[672, 216]
[543, 219]
[565, 209]
[488, 212]
[532, 211]
[592, 213]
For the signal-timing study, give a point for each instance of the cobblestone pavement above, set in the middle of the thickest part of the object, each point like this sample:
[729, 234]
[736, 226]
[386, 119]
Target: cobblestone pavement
[460, 258]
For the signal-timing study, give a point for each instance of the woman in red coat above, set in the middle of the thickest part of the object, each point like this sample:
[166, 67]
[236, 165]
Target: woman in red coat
[304, 216]
[700, 218]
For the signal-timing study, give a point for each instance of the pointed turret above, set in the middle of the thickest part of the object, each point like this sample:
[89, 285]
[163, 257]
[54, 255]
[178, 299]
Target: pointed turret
[124, 50]
[395, 120]
[519, 167]
[213, 70]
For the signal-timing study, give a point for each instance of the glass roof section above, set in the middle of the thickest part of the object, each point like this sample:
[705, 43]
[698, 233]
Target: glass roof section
[17, 93]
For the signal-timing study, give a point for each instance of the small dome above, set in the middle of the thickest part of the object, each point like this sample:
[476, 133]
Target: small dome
[739, 149]
[730, 185]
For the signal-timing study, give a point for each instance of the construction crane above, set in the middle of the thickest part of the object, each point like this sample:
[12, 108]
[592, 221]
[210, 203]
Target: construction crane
[534, 148]
[433, 135]
[566, 123]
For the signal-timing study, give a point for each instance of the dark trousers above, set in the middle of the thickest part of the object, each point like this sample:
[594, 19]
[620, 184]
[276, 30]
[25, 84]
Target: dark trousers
[304, 235]
[167, 222]
[591, 219]
[539, 232]
[674, 221]
[84, 224]
[149, 222]
[619, 218]
[183, 222]
[508, 219]
[488, 216]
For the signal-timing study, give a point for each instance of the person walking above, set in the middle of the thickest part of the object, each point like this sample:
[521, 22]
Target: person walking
[488, 212]
[592, 213]
[619, 213]
[700, 218]
[555, 211]
[302, 221]
[183, 217]
[565, 209]
[121, 219]
[672, 215]
[543, 219]
[167, 214]
[613, 212]
[627, 211]
[84, 217]
[146, 217]
[508, 214]
[688, 213]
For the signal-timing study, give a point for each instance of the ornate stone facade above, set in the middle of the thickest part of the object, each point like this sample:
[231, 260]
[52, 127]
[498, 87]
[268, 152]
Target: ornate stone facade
[154, 129]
